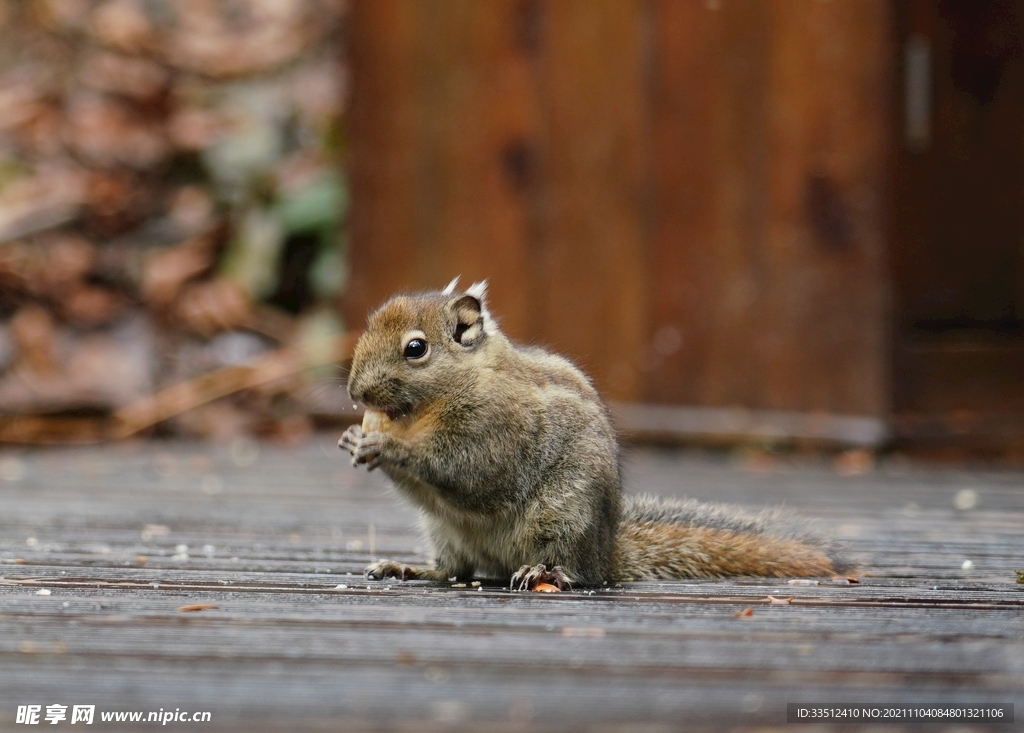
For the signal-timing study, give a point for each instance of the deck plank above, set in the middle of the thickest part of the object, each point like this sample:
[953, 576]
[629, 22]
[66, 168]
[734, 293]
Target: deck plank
[122, 537]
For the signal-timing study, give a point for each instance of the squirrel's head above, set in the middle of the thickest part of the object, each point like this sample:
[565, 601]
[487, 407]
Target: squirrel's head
[418, 347]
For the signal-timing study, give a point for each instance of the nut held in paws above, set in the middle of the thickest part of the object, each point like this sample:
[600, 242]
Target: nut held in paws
[375, 421]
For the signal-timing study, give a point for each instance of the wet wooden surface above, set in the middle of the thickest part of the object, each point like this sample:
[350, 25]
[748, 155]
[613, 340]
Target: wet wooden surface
[100, 548]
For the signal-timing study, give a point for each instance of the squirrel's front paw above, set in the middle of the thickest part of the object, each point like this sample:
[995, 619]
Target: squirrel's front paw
[364, 448]
[529, 577]
[389, 569]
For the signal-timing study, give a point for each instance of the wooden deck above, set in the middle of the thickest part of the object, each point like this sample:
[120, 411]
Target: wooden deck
[101, 548]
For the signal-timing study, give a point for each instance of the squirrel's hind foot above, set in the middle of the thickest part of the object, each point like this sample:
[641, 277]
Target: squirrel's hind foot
[529, 577]
[391, 569]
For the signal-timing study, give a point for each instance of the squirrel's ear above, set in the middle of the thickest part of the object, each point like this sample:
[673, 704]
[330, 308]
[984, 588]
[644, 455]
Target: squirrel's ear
[478, 290]
[469, 319]
[451, 286]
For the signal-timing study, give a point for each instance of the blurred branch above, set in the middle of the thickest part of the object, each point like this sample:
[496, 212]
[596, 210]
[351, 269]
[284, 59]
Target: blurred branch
[188, 395]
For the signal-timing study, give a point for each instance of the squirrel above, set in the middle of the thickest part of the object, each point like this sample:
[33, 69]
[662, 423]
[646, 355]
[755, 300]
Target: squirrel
[510, 454]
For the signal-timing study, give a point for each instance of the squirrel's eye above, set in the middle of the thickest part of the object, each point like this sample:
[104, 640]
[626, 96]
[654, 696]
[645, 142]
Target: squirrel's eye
[415, 349]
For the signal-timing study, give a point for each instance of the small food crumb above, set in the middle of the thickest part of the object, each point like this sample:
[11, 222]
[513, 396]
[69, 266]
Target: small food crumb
[154, 530]
[458, 585]
[198, 607]
[12, 469]
[141, 559]
[745, 613]
[965, 499]
[775, 600]
[593, 632]
[43, 592]
[967, 565]
[546, 588]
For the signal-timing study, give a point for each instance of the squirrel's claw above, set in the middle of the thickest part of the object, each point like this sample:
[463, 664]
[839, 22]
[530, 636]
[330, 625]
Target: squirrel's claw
[365, 448]
[389, 569]
[529, 577]
[350, 438]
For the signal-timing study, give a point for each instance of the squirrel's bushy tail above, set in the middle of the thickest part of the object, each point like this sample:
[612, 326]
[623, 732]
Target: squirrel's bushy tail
[661, 539]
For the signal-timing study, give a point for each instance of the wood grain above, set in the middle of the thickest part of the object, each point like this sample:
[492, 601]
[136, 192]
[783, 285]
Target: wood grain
[590, 253]
[383, 126]
[769, 285]
[685, 198]
[709, 111]
[123, 537]
[956, 230]
[443, 152]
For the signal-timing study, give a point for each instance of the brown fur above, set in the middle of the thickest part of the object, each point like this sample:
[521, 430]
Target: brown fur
[509, 453]
[660, 551]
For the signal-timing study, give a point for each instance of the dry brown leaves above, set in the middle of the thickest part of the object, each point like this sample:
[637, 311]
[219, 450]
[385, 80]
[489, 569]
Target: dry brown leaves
[191, 607]
[99, 101]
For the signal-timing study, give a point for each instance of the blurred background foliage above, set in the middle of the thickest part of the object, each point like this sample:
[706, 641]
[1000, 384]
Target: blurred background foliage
[171, 207]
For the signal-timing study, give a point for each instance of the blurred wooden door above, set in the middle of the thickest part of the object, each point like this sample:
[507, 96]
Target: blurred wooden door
[768, 279]
[506, 141]
[958, 219]
[684, 197]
